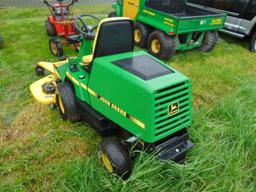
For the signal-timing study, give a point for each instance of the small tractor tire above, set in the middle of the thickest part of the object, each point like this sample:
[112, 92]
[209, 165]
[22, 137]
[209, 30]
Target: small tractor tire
[66, 102]
[112, 14]
[39, 71]
[50, 30]
[161, 45]
[209, 41]
[141, 34]
[56, 47]
[115, 157]
[253, 42]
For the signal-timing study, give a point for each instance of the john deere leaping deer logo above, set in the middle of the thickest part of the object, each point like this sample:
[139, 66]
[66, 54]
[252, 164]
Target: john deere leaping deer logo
[173, 108]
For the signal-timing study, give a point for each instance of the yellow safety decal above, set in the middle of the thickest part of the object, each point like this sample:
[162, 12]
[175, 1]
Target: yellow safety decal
[167, 23]
[72, 78]
[137, 122]
[168, 19]
[84, 86]
[93, 93]
[217, 22]
[149, 12]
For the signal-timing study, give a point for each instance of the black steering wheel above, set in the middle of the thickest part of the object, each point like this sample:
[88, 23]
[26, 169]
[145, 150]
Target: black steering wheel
[84, 28]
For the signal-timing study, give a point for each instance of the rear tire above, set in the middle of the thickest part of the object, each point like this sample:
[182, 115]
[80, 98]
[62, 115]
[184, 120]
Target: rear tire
[253, 43]
[50, 30]
[112, 14]
[161, 45]
[115, 157]
[66, 102]
[209, 42]
[56, 47]
[141, 34]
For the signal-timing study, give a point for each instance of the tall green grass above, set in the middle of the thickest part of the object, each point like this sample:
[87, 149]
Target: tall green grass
[223, 158]
[40, 152]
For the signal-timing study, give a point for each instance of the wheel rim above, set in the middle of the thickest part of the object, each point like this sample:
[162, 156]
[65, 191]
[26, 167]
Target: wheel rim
[54, 48]
[61, 105]
[137, 35]
[106, 163]
[155, 46]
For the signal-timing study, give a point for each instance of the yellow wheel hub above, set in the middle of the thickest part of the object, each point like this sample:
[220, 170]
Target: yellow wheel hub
[61, 104]
[137, 35]
[107, 163]
[155, 46]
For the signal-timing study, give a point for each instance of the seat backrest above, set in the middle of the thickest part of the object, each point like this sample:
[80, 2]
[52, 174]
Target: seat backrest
[114, 36]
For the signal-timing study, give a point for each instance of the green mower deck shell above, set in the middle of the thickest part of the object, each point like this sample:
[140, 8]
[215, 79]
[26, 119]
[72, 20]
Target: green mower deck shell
[173, 25]
[122, 96]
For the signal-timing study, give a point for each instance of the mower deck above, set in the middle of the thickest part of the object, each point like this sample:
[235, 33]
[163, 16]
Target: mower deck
[40, 94]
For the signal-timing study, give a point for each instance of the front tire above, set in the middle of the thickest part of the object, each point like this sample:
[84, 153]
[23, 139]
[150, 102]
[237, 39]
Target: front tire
[50, 30]
[66, 102]
[209, 41]
[141, 33]
[56, 47]
[253, 43]
[115, 157]
[39, 71]
[161, 45]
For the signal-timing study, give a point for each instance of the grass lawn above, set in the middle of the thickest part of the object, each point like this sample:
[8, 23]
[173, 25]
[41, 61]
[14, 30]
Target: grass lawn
[40, 152]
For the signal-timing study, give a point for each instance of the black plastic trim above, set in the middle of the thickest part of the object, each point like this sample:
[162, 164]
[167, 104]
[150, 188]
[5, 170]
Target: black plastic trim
[101, 124]
[143, 66]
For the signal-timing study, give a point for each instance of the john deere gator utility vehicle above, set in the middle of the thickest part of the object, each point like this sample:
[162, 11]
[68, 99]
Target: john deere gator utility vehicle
[166, 26]
[130, 98]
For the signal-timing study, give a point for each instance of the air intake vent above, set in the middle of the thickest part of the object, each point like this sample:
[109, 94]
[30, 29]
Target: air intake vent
[172, 108]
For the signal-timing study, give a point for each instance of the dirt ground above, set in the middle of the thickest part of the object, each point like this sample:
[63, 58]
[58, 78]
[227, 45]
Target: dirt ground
[33, 3]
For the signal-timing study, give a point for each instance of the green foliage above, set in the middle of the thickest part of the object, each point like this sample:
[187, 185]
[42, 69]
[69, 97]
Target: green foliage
[40, 152]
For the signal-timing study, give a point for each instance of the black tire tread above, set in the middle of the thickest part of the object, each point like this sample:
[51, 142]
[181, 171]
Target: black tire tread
[145, 32]
[39, 71]
[209, 42]
[168, 45]
[118, 156]
[68, 97]
[59, 46]
[50, 30]
[252, 42]
[112, 14]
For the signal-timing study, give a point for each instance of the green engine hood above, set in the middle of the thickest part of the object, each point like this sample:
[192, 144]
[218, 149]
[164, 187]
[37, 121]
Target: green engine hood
[151, 103]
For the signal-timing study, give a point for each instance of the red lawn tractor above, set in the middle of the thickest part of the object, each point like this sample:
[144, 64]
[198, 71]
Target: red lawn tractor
[61, 24]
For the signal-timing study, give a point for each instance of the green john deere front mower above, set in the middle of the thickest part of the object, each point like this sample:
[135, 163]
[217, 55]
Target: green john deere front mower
[130, 98]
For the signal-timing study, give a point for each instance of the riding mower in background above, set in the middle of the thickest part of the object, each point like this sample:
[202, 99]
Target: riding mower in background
[61, 24]
[1, 41]
[131, 98]
[164, 27]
